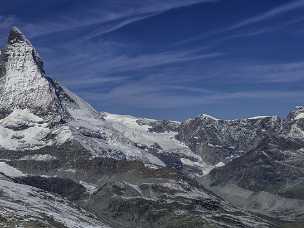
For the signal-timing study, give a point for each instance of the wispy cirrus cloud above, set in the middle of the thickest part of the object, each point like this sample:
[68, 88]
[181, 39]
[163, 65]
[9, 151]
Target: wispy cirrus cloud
[277, 11]
[119, 13]
[228, 32]
[145, 96]
[173, 89]
[277, 73]
[106, 68]
[125, 63]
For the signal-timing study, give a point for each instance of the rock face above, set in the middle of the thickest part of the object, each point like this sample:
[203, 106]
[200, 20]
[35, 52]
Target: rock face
[219, 140]
[24, 84]
[26, 206]
[274, 166]
[122, 171]
[261, 161]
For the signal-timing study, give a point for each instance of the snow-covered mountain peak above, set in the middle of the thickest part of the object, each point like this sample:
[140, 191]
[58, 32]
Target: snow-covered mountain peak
[296, 114]
[23, 83]
[16, 36]
[207, 116]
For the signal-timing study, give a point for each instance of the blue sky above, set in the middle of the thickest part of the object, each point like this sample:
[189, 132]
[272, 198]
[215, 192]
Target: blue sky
[170, 59]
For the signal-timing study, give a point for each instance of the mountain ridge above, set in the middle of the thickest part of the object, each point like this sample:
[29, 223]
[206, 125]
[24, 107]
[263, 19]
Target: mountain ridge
[129, 171]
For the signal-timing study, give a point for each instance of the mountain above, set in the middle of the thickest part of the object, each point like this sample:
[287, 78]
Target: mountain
[220, 141]
[261, 161]
[23, 81]
[64, 164]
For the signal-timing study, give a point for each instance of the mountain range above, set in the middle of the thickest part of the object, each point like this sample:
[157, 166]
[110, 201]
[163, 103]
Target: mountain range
[64, 164]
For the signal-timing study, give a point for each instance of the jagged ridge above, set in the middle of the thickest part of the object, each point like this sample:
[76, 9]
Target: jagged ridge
[137, 172]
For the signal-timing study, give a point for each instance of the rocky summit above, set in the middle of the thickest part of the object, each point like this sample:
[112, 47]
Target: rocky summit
[64, 164]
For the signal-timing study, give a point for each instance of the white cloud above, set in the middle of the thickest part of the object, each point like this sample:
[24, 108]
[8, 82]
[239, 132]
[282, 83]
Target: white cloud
[120, 13]
[269, 14]
[176, 89]
[224, 34]
[145, 96]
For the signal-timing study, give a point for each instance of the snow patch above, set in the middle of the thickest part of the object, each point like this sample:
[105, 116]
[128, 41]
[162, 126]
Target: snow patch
[9, 170]
[39, 157]
[128, 126]
[201, 165]
[220, 164]
[212, 145]
[63, 135]
[89, 187]
[299, 116]
[206, 116]
[30, 138]
[296, 132]
[258, 117]
[70, 170]
[23, 130]
[20, 118]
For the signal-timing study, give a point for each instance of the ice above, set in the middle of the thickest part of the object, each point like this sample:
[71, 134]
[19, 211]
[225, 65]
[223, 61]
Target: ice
[128, 126]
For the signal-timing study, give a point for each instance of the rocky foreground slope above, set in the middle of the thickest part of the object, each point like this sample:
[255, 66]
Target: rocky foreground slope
[64, 164]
